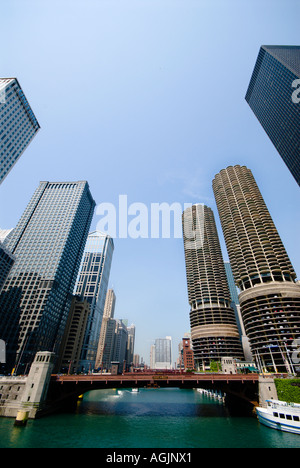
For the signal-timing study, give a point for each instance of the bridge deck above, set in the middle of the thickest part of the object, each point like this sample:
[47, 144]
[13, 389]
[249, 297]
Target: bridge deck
[139, 378]
[65, 389]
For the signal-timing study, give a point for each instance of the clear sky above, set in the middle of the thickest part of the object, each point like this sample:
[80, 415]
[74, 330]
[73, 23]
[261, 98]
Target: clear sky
[146, 98]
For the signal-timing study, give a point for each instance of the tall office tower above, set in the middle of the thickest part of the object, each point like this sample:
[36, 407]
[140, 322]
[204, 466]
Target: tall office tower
[136, 360]
[163, 353]
[214, 329]
[274, 96]
[92, 285]
[48, 244]
[130, 345]
[110, 304]
[109, 310]
[109, 344]
[152, 357]
[120, 344]
[18, 124]
[269, 298]
[72, 342]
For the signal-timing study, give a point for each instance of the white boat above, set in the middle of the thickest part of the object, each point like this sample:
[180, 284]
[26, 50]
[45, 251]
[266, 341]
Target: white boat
[280, 415]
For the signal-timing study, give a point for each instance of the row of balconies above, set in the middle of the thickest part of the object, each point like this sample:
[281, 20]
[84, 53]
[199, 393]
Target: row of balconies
[212, 316]
[215, 319]
[271, 318]
[265, 304]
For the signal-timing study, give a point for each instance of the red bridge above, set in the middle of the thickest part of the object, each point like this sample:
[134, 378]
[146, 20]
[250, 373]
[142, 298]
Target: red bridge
[64, 390]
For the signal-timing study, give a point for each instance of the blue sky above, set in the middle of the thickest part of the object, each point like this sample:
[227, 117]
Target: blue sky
[146, 98]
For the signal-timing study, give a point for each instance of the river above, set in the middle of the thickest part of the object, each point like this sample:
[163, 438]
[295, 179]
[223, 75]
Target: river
[150, 418]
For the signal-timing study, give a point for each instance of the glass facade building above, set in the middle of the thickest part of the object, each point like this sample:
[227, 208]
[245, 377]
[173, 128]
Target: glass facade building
[110, 339]
[120, 345]
[271, 96]
[269, 294]
[130, 345]
[163, 353]
[109, 311]
[92, 285]
[48, 245]
[18, 124]
[214, 330]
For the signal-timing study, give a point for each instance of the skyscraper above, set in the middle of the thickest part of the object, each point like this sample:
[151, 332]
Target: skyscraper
[92, 285]
[163, 353]
[214, 329]
[270, 297]
[152, 357]
[274, 96]
[48, 244]
[109, 310]
[71, 346]
[18, 124]
[120, 344]
[130, 345]
[5, 234]
[110, 338]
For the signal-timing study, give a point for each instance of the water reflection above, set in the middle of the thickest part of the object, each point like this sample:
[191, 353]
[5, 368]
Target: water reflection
[150, 402]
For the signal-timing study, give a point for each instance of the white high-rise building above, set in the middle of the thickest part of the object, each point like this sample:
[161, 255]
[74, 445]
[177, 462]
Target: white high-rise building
[163, 353]
[130, 345]
[4, 233]
[18, 124]
[214, 330]
[152, 357]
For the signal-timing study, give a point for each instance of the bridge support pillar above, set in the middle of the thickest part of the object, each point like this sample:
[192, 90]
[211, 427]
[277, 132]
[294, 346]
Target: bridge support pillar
[36, 388]
[267, 390]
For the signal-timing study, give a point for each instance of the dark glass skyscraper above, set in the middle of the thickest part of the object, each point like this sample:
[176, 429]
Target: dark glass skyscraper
[274, 96]
[6, 262]
[48, 245]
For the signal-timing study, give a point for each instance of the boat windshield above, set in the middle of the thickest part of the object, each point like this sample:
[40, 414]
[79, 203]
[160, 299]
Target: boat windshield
[283, 404]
